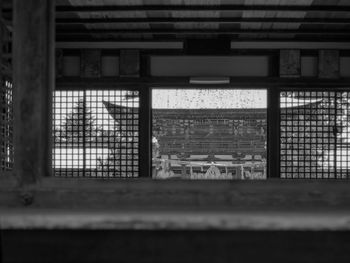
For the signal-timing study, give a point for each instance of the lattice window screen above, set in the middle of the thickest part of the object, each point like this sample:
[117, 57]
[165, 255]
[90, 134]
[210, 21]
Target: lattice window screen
[314, 134]
[96, 133]
[6, 125]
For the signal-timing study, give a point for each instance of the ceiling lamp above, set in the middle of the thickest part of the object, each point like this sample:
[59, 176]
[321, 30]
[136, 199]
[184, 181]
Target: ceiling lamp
[210, 80]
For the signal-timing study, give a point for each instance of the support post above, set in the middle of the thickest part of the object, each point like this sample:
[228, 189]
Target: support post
[273, 136]
[145, 148]
[2, 103]
[34, 75]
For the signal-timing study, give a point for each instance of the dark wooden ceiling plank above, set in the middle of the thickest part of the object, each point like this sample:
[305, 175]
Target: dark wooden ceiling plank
[223, 7]
[166, 20]
[170, 38]
[70, 30]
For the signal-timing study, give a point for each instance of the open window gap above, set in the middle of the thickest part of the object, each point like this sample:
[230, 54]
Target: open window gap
[209, 133]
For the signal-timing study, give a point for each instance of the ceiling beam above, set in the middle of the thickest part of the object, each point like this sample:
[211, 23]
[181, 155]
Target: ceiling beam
[174, 38]
[235, 45]
[202, 20]
[240, 8]
[289, 45]
[80, 31]
[120, 45]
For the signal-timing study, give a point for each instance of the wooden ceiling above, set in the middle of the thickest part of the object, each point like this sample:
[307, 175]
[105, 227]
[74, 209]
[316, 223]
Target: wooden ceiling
[167, 20]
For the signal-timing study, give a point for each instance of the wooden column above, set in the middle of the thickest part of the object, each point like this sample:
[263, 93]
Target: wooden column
[145, 132]
[2, 84]
[33, 66]
[273, 143]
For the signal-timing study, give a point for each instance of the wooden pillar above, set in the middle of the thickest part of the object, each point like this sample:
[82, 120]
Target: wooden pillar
[145, 133]
[2, 84]
[33, 71]
[273, 143]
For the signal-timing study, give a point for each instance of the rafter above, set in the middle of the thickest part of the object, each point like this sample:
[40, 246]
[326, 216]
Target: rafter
[80, 31]
[119, 8]
[134, 20]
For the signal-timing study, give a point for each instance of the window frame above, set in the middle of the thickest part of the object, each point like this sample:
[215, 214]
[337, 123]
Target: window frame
[223, 87]
[92, 193]
[273, 87]
[145, 114]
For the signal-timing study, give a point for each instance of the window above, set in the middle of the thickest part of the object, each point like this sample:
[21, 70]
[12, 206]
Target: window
[209, 133]
[96, 133]
[314, 134]
[6, 126]
[200, 133]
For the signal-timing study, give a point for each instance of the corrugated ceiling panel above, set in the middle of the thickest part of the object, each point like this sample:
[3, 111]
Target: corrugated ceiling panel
[209, 14]
[273, 14]
[106, 2]
[328, 15]
[214, 14]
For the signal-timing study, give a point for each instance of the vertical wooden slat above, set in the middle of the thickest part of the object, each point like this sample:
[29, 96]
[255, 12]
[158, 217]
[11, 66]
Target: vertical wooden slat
[145, 151]
[33, 65]
[273, 146]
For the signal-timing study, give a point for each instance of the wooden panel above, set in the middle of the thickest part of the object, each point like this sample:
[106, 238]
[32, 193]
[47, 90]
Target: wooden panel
[309, 66]
[345, 67]
[328, 64]
[90, 63]
[110, 66]
[129, 63]
[71, 66]
[290, 63]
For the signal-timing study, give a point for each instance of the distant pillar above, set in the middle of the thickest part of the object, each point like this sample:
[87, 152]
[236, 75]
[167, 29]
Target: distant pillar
[33, 72]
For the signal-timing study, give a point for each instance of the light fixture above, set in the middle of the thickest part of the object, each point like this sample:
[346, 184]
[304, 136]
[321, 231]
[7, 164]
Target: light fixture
[209, 80]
